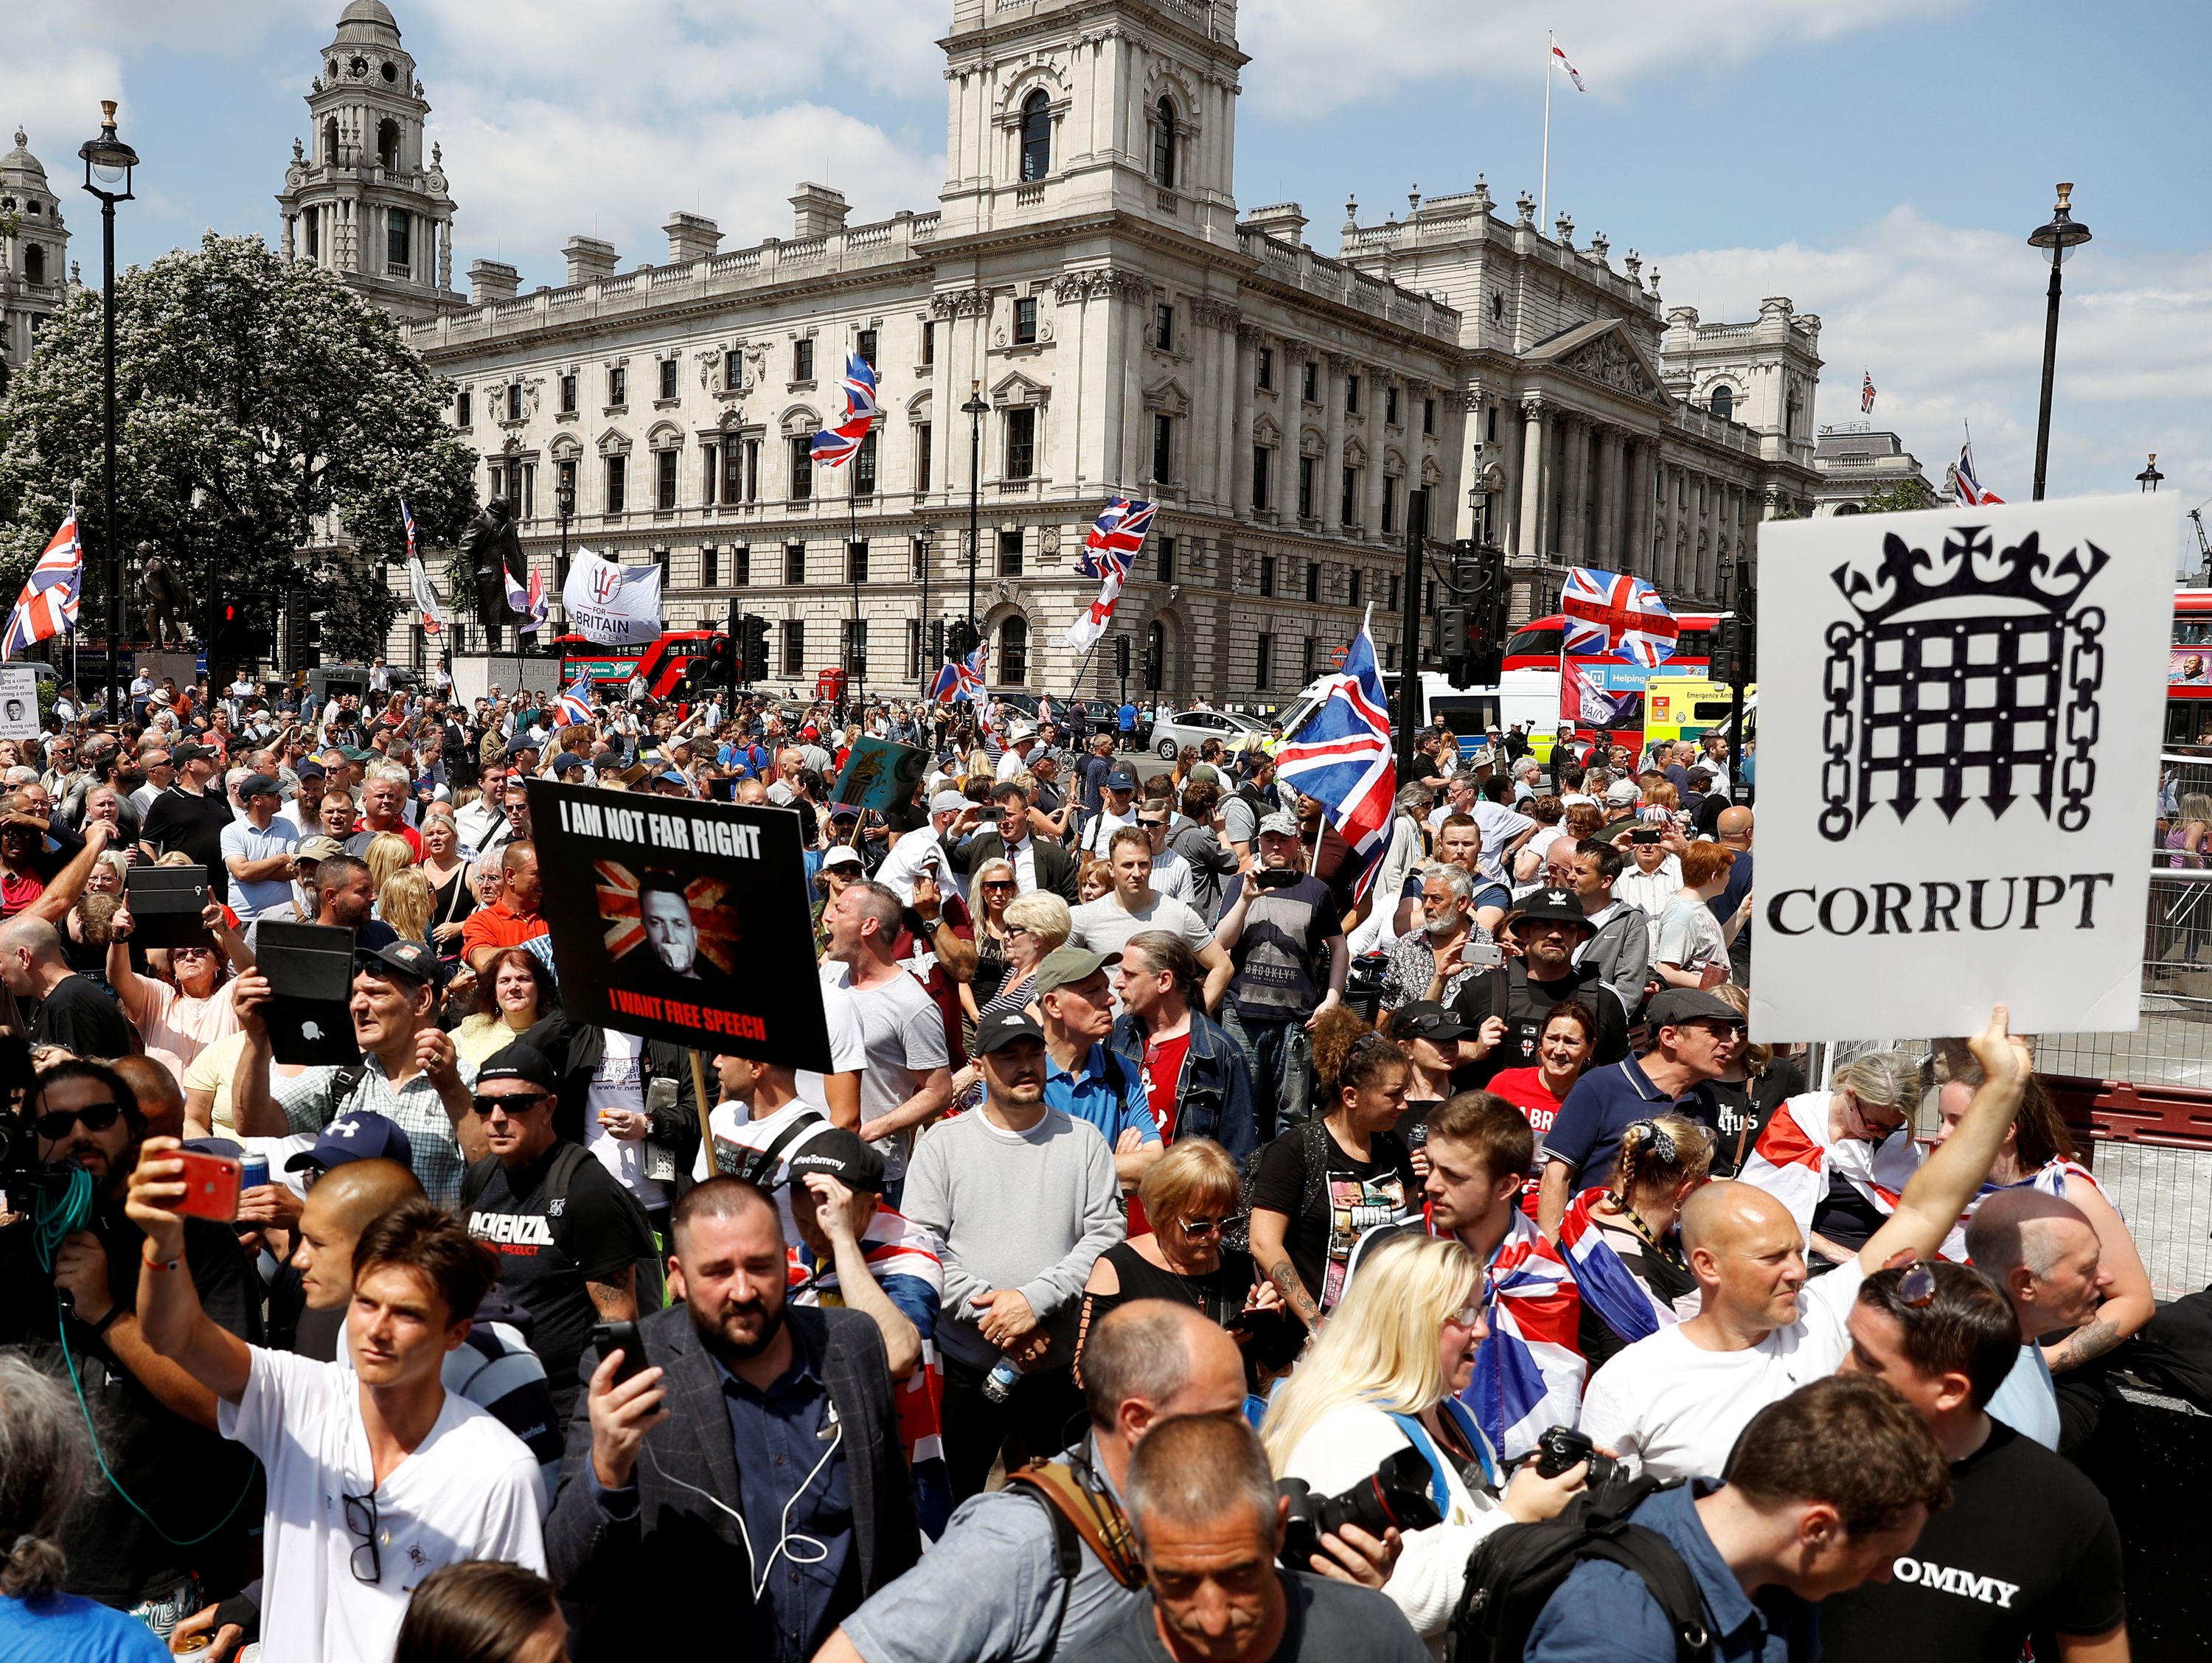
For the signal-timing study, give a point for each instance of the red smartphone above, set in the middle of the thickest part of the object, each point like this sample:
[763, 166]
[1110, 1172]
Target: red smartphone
[211, 1186]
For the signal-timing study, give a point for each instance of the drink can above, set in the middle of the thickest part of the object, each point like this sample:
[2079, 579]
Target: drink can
[252, 1171]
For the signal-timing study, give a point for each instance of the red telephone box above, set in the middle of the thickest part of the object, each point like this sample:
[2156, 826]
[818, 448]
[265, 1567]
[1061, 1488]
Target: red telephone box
[829, 683]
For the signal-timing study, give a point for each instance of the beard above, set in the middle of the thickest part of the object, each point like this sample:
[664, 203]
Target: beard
[716, 1338]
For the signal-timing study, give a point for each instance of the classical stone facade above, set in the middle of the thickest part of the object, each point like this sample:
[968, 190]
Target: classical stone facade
[1854, 460]
[34, 256]
[1085, 313]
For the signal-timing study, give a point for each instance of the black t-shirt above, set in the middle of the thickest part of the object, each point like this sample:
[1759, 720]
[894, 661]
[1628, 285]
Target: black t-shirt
[1746, 1106]
[1327, 1622]
[1282, 952]
[545, 1256]
[179, 820]
[1332, 1199]
[2027, 1547]
[182, 1474]
[81, 1019]
[1508, 993]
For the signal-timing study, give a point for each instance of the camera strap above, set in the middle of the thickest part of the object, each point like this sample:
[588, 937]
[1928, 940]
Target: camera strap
[1096, 1519]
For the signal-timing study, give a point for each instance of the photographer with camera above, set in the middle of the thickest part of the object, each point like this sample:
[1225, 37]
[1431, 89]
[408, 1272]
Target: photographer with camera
[76, 1317]
[1209, 1524]
[1382, 1383]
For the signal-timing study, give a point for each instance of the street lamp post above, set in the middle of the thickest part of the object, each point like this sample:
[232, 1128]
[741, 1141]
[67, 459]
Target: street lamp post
[564, 510]
[2150, 478]
[108, 163]
[2059, 238]
[925, 542]
[974, 410]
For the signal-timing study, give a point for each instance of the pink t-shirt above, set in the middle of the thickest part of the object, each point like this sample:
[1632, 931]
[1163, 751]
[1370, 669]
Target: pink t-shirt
[177, 1028]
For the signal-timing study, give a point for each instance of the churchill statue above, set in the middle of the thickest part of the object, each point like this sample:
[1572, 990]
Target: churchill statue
[491, 549]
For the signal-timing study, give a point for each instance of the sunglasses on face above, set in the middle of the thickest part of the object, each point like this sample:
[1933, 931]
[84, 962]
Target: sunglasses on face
[1203, 1227]
[511, 1103]
[57, 1124]
[1000, 884]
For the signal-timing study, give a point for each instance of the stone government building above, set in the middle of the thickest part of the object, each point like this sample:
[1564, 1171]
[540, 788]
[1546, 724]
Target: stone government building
[1087, 307]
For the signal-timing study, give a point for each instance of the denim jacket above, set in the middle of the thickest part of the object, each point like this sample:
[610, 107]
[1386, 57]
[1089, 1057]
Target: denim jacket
[1215, 1098]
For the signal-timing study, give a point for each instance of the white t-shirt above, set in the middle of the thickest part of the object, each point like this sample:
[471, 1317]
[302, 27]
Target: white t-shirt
[470, 1491]
[619, 1083]
[1680, 1408]
[732, 1123]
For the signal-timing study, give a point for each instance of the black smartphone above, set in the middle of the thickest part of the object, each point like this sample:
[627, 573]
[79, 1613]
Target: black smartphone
[620, 1336]
[1644, 834]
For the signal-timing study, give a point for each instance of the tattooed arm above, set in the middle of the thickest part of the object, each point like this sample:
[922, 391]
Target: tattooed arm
[1267, 1231]
[2093, 1339]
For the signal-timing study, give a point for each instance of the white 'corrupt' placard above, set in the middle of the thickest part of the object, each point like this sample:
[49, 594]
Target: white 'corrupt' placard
[1958, 732]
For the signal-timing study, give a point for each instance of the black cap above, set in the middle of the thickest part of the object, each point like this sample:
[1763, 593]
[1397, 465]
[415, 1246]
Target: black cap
[1550, 906]
[189, 752]
[309, 769]
[257, 785]
[839, 1154]
[519, 1061]
[1671, 1007]
[410, 958]
[1003, 1027]
[1424, 1019]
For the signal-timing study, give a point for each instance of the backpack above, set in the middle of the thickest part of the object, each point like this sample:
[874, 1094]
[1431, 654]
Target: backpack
[1513, 1572]
[568, 1159]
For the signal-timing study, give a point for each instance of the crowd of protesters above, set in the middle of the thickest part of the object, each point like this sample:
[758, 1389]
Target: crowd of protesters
[1163, 1170]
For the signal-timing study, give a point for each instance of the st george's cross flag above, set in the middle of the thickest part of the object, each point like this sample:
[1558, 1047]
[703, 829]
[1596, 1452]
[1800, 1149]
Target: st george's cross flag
[1341, 756]
[1091, 622]
[834, 446]
[433, 616]
[1115, 537]
[48, 605]
[1615, 613]
[1560, 59]
[1796, 1160]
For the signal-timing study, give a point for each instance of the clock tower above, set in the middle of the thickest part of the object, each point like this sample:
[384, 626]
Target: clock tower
[362, 199]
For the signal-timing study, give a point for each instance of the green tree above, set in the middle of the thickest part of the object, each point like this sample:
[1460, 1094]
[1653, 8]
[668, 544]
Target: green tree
[1904, 497]
[260, 406]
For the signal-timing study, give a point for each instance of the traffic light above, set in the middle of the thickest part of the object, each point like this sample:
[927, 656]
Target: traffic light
[752, 633]
[1122, 657]
[1154, 670]
[1470, 636]
[718, 668]
[962, 639]
[936, 644]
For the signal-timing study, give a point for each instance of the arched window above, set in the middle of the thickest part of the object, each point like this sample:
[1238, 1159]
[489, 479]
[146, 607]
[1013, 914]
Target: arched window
[329, 141]
[1163, 148]
[34, 263]
[1014, 652]
[1723, 402]
[1037, 136]
[387, 146]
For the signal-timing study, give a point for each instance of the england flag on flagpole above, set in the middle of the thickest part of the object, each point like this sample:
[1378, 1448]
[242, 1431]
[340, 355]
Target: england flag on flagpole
[48, 605]
[418, 580]
[1340, 755]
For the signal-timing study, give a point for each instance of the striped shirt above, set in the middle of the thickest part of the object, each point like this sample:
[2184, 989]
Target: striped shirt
[319, 1096]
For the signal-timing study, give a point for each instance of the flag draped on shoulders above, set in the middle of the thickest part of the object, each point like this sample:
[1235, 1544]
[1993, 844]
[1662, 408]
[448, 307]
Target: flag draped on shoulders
[1529, 1373]
[1340, 755]
[1607, 1285]
[48, 605]
[1795, 1160]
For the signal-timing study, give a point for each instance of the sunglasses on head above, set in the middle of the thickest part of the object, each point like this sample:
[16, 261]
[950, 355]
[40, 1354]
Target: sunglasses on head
[57, 1124]
[1916, 1287]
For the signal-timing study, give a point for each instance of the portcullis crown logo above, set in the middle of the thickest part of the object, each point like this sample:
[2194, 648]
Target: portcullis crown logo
[1969, 674]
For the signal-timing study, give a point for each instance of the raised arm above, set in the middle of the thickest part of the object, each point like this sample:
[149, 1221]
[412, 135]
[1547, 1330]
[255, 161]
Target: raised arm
[56, 900]
[1939, 1192]
[170, 1316]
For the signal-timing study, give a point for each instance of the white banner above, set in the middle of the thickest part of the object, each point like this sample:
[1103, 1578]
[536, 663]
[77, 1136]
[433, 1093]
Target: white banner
[1958, 722]
[19, 701]
[615, 605]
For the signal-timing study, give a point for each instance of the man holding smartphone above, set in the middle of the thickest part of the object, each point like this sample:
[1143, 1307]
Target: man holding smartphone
[1547, 927]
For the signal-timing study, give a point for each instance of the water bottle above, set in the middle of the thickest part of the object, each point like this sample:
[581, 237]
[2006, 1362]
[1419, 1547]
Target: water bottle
[252, 1171]
[999, 1384]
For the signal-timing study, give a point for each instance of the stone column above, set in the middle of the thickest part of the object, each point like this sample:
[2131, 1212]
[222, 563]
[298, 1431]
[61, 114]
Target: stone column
[1575, 531]
[1635, 493]
[1246, 342]
[1528, 508]
[1606, 439]
[1337, 366]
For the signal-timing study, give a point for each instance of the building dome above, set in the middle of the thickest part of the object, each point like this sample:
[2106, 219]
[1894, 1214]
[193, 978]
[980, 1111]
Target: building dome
[368, 22]
[20, 167]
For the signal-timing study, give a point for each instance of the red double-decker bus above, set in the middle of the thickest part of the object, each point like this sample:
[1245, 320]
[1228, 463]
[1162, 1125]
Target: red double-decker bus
[662, 664]
[1536, 644]
[1528, 692]
[2189, 673]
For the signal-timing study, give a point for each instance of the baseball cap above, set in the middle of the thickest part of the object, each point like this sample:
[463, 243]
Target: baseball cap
[319, 849]
[565, 761]
[189, 752]
[1671, 1006]
[1425, 1019]
[257, 785]
[1003, 1027]
[947, 802]
[1278, 824]
[519, 1061]
[843, 855]
[410, 958]
[1121, 779]
[837, 1153]
[1065, 966]
[358, 1137]
[310, 770]
[1623, 792]
[1556, 906]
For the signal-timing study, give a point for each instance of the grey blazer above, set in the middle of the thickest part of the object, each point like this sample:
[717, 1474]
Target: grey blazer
[646, 1572]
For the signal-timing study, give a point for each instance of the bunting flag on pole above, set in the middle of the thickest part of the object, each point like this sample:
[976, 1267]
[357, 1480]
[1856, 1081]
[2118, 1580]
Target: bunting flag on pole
[834, 446]
[1559, 58]
[1607, 612]
[48, 605]
[1340, 755]
[574, 706]
[1090, 623]
[1115, 537]
[1967, 487]
[1866, 396]
[529, 604]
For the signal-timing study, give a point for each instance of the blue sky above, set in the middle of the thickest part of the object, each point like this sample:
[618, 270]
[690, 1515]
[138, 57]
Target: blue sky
[1880, 161]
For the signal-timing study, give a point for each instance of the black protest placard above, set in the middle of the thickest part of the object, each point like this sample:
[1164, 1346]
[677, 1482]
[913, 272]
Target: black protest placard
[681, 920]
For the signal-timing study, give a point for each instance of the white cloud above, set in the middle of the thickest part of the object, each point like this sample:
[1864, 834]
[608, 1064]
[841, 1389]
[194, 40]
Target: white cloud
[1310, 57]
[1949, 321]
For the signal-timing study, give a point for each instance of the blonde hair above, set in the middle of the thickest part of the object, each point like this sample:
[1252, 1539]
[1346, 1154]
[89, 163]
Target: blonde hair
[1881, 1079]
[1660, 1153]
[1194, 1170]
[1043, 915]
[1380, 1344]
[387, 855]
[405, 901]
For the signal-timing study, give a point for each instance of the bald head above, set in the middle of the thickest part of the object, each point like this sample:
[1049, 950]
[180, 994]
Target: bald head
[352, 1194]
[1718, 1216]
[2021, 1227]
[1734, 825]
[160, 1099]
[34, 937]
[1151, 1358]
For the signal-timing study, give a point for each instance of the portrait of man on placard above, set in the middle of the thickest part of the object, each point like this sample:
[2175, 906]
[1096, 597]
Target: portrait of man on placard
[663, 928]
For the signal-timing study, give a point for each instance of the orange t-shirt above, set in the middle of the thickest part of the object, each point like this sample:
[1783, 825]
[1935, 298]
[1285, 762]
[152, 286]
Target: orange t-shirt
[496, 926]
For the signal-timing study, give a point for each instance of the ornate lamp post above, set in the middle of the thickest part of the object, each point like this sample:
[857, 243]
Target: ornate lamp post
[107, 165]
[2150, 478]
[564, 510]
[974, 410]
[925, 542]
[2059, 238]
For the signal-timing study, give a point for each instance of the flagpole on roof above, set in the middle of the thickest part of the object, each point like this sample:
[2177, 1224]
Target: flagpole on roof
[1544, 187]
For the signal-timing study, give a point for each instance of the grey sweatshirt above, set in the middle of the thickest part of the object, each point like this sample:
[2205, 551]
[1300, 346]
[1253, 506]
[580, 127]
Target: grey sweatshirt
[1030, 1210]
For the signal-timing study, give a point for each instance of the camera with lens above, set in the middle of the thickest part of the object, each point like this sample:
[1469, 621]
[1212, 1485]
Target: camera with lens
[1562, 1449]
[1395, 1493]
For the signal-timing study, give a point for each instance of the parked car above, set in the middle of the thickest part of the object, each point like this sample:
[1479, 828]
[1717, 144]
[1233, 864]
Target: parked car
[1195, 727]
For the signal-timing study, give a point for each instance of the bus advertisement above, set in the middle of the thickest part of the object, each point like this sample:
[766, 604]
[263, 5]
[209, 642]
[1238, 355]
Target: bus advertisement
[2188, 671]
[662, 664]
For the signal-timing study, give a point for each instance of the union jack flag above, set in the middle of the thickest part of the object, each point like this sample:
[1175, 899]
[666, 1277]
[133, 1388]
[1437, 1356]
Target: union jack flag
[1609, 612]
[1340, 755]
[1866, 396]
[1607, 1285]
[962, 678]
[1529, 1373]
[1113, 539]
[48, 605]
[574, 706]
[1968, 488]
[834, 446]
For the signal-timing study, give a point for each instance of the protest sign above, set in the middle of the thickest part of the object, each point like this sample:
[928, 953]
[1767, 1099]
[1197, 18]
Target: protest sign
[879, 773]
[681, 920]
[19, 701]
[1959, 724]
